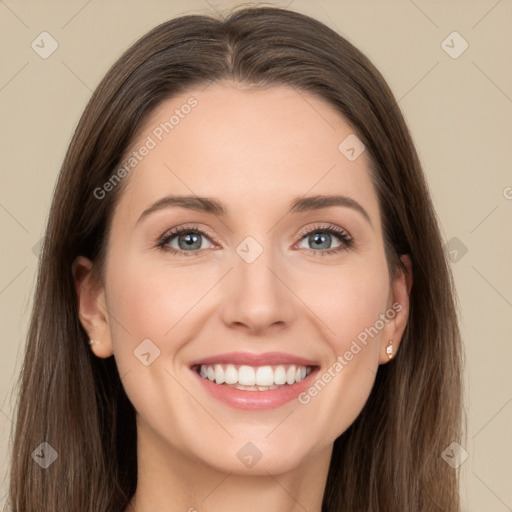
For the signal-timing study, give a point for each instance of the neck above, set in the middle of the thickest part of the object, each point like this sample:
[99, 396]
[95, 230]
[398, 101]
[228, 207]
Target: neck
[171, 480]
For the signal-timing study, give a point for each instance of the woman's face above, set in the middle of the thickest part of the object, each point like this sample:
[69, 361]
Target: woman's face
[258, 293]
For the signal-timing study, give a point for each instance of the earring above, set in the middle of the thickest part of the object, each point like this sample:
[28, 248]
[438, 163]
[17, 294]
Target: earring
[91, 342]
[389, 349]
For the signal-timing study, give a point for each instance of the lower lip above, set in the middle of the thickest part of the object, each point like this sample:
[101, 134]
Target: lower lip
[256, 400]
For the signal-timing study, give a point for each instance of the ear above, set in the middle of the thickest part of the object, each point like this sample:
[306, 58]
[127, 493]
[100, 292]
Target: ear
[92, 307]
[398, 303]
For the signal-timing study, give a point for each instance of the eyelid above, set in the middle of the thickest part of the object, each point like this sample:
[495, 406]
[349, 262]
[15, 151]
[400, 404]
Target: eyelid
[326, 226]
[173, 232]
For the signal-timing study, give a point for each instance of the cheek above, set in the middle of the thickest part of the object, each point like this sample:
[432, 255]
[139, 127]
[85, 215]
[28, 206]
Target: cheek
[149, 298]
[148, 305]
[348, 300]
[352, 313]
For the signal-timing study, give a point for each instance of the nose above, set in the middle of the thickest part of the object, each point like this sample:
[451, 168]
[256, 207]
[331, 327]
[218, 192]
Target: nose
[256, 296]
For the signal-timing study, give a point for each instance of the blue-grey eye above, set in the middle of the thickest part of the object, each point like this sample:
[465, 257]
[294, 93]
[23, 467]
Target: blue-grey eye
[320, 240]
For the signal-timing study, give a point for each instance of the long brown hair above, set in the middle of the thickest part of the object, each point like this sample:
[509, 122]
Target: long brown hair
[389, 459]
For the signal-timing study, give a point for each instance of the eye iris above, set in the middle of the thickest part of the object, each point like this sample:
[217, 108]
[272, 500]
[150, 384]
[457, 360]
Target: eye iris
[316, 238]
[190, 240]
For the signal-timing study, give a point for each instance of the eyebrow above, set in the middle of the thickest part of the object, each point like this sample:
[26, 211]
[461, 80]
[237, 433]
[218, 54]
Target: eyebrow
[217, 208]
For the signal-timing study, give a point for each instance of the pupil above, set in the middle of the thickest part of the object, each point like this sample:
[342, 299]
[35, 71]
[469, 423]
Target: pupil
[318, 239]
[191, 239]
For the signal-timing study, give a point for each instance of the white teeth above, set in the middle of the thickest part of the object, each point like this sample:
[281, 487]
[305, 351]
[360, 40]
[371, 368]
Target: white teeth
[280, 375]
[290, 375]
[230, 375]
[246, 376]
[252, 388]
[219, 374]
[264, 376]
[249, 378]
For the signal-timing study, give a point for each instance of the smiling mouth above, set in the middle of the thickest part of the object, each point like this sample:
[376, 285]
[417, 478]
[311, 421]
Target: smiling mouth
[253, 378]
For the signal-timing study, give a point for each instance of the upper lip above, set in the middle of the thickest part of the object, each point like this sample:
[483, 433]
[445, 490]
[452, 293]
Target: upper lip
[251, 359]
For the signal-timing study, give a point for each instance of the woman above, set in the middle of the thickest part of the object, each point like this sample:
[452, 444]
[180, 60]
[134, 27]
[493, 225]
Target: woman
[264, 369]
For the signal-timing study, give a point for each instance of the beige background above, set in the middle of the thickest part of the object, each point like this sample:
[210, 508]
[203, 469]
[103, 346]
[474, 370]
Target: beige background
[459, 111]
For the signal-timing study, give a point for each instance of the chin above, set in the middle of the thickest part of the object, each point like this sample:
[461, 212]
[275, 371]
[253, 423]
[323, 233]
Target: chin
[256, 455]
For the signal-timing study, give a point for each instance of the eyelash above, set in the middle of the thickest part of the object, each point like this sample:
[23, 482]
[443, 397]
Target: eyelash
[347, 241]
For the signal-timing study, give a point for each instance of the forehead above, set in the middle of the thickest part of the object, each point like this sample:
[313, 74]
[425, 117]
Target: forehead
[250, 148]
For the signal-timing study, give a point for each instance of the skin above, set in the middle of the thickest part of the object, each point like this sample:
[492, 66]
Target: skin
[254, 150]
